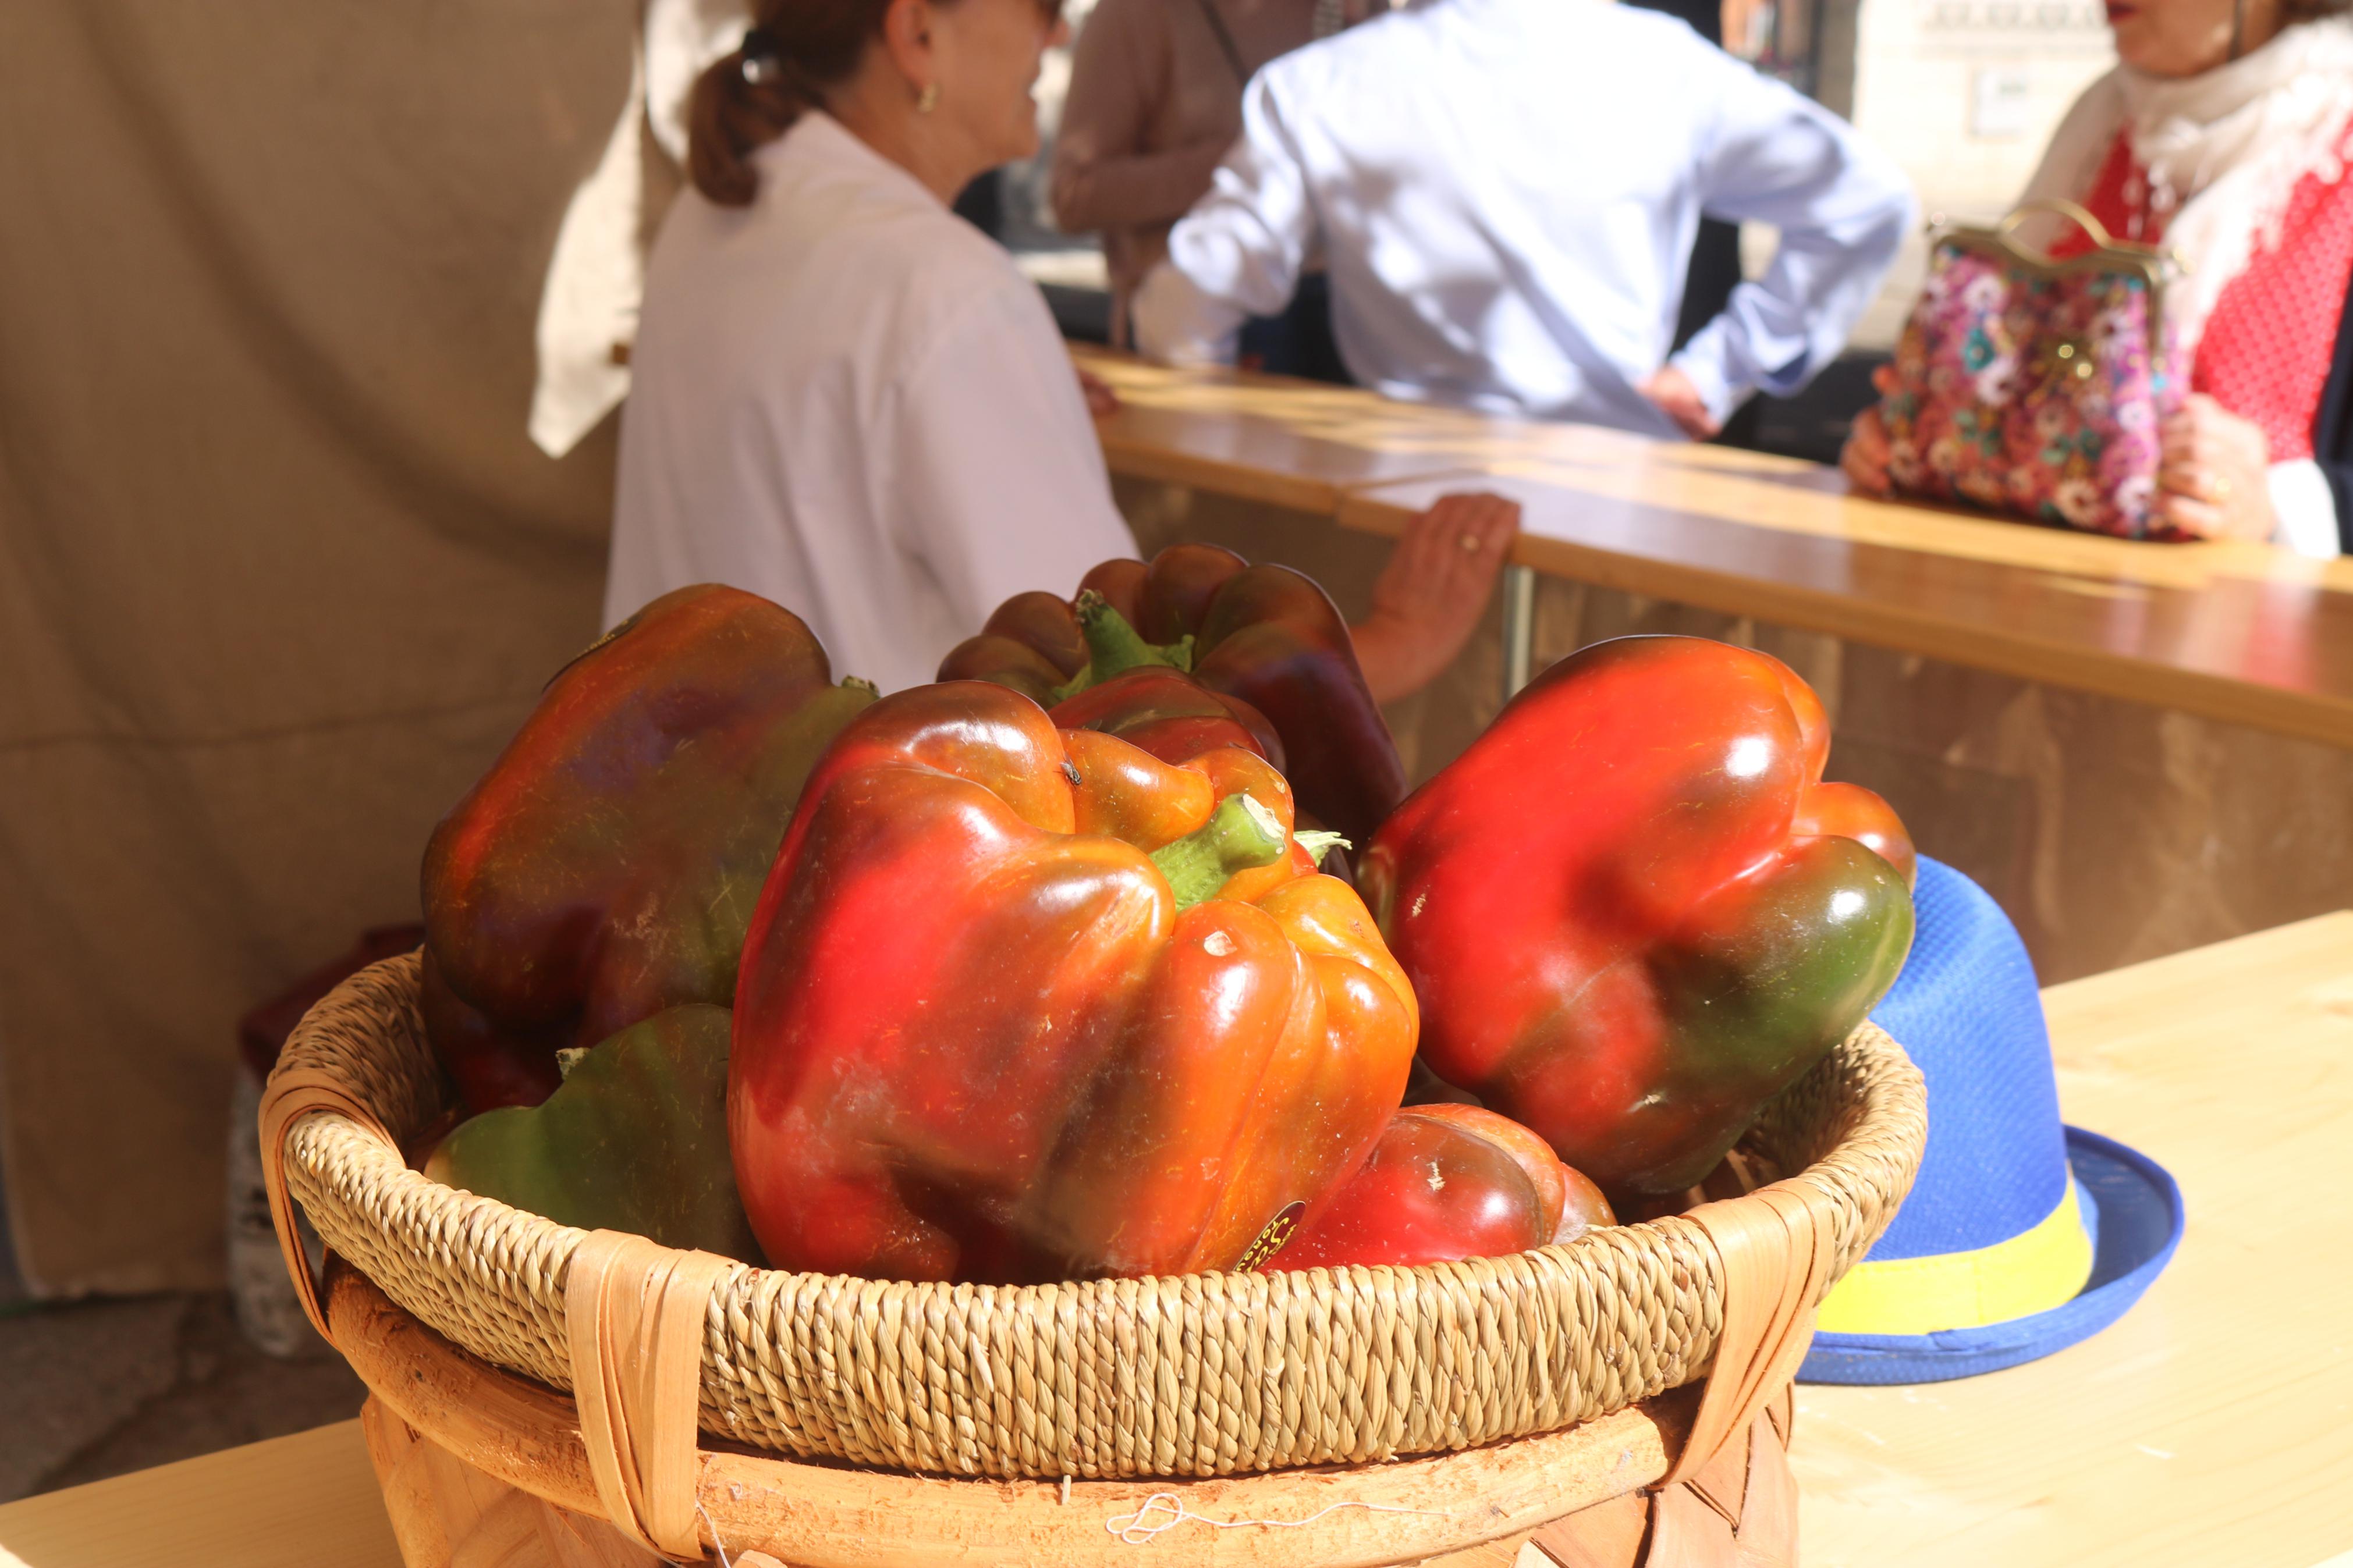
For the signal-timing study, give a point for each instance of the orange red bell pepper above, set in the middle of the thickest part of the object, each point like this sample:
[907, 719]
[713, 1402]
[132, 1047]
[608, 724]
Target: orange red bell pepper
[1632, 910]
[1021, 1004]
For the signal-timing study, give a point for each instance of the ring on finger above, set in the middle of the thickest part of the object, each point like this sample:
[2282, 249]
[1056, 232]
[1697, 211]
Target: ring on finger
[2218, 491]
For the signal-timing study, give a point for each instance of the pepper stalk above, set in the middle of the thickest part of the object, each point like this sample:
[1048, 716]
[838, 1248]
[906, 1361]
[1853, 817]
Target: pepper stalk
[1239, 835]
[1114, 647]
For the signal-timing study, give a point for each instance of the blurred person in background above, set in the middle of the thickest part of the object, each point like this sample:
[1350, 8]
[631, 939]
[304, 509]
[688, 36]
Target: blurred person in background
[1506, 194]
[2223, 135]
[1155, 99]
[849, 400]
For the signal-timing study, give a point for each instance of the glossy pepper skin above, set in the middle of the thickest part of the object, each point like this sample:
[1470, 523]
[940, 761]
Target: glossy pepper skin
[1445, 1182]
[1023, 1004]
[1632, 911]
[607, 866]
[1264, 636]
[635, 1137]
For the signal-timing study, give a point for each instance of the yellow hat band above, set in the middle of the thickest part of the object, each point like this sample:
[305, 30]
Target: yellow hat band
[2031, 1272]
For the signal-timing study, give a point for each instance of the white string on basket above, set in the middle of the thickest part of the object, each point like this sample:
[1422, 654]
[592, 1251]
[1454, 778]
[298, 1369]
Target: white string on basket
[747, 1561]
[717, 1540]
[1166, 1511]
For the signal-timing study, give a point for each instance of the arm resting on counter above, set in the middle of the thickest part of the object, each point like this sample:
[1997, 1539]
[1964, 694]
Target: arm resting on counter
[1177, 321]
[1238, 253]
[1842, 207]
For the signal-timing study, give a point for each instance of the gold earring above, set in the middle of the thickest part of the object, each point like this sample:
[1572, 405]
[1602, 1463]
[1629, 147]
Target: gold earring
[929, 98]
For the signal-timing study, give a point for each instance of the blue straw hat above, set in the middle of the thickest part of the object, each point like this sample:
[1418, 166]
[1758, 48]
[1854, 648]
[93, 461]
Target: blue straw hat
[2022, 1235]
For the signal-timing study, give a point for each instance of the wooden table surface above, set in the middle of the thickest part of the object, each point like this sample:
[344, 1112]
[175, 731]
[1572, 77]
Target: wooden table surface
[2243, 633]
[305, 1501]
[2213, 1424]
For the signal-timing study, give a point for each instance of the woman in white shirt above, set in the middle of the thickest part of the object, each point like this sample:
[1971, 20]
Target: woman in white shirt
[844, 397]
[848, 399]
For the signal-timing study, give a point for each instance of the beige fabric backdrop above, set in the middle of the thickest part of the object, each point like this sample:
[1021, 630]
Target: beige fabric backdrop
[279, 568]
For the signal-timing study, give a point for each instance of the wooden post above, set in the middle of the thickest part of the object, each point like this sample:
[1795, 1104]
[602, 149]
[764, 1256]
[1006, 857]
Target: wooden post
[1519, 627]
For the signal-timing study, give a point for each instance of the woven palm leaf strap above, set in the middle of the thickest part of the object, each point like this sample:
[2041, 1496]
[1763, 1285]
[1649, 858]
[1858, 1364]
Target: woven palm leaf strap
[290, 1096]
[634, 1314]
[1776, 1253]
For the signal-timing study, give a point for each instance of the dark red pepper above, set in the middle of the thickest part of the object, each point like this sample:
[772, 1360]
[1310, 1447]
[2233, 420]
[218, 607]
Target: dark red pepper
[607, 866]
[1264, 637]
[1448, 1182]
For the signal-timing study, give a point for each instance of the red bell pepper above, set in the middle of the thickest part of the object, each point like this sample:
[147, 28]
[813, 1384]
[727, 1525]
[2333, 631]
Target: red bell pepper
[1263, 637]
[1633, 912]
[1448, 1182]
[606, 868]
[1027, 1005]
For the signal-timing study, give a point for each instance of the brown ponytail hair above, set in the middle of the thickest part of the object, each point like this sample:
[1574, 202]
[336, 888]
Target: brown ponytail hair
[795, 50]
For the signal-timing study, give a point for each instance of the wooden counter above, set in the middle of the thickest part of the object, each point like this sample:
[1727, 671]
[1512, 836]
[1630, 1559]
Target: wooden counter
[1294, 444]
[2208, 1427]
[2241, 633]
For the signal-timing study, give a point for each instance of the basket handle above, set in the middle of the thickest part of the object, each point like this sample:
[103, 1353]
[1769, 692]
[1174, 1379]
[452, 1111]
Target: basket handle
[2058, 206]
[292, 1094]
[634, 1313]
[1774, 1250]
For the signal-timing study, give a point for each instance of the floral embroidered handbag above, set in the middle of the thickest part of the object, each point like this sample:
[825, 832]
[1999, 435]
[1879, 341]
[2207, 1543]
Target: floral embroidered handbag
[2032, 385]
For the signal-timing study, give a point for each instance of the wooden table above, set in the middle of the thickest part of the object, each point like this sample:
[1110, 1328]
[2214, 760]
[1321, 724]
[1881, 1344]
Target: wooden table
[2213, 1424]
[2241, 633]
[305, 1501]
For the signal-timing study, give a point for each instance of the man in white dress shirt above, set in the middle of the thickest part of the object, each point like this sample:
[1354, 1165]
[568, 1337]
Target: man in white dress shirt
[1505, 193]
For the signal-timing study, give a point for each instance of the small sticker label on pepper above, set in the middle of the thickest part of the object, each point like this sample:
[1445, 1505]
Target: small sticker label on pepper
[1270, 1240]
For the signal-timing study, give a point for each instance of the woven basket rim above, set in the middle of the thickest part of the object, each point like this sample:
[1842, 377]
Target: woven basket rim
[909, 1374]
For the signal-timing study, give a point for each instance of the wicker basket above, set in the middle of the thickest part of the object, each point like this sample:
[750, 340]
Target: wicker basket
[1202, 1376]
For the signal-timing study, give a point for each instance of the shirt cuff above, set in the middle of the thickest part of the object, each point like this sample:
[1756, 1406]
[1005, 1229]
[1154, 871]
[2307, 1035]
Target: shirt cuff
[1705, 371]
[2306, 507]
[1175, 320]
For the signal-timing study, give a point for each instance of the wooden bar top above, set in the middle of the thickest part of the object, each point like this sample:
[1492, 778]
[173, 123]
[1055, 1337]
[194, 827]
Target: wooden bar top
[2242, 633]
[2208, 1427]
[1296, 444]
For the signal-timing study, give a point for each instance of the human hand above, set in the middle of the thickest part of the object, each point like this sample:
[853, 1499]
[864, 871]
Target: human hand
[2214, 476]
[1101, 401]
[1429, 598]
[1677, 398]
[1866, 457]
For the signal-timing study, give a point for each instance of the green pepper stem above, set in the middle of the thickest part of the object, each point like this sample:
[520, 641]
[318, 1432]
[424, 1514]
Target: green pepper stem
[1239, 834]
[1318, 843]
[1114, 647]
